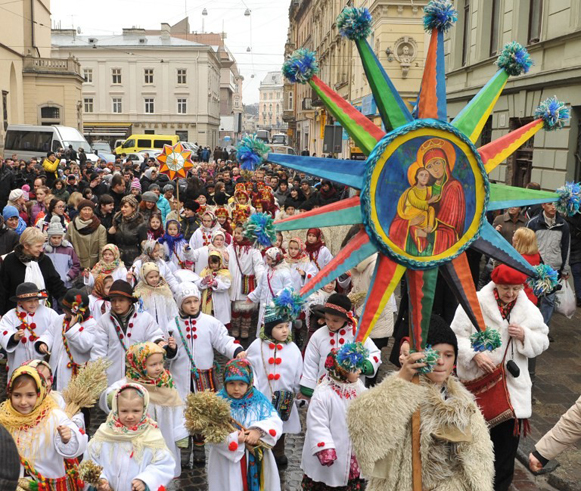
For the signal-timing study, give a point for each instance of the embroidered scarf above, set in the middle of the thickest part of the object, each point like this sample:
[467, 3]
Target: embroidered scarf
[504, 308]
[103, 267]
[302, 255]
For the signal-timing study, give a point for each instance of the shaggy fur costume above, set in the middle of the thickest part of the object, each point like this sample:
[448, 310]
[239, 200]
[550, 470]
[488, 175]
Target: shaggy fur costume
[456, 450]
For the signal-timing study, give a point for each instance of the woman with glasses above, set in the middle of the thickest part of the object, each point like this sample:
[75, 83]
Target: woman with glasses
[57, 207]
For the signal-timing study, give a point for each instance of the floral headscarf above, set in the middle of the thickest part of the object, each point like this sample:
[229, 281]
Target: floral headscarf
[301, 256]
[144, 434]
[135, 359]
[103, 267]
[26, 429]
[99, 287]
[275, 254]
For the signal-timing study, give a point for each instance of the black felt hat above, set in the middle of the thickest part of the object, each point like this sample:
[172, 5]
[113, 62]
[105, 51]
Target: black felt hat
[121, 288]
[26, 291]
[441, 332]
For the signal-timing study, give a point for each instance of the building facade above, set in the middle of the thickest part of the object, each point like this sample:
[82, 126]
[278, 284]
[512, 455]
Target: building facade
[36, 89]
[140, 83]
[551, 32]
[398, 40]
[270, 103]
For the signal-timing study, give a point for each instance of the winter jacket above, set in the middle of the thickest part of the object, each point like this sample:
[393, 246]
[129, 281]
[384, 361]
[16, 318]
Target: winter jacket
[7, 184]
[509, 226]
[455, 446]
[87, 241]
[51, 169]
[128, 237]
[553, 241]
[163, 207]
[8, 238]
[65, 261]
[574, 223]
[12, 273]
[281, 196]
[564, 434]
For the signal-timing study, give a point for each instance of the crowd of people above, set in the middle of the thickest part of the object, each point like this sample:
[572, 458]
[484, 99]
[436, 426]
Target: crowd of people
[114, 261]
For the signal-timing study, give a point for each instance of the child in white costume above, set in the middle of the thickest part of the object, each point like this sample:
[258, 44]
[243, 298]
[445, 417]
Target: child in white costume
[277, 365]
[144, 362]
[328, 457]
[275, 279]
[44, 435]
[246, 267]
[22, 326]
[121, 328]
[318, 252]
[155, 296]
[98, 303]
[130, 446]
[110, 264]
[69, 338]
[200, 256]
[177, 250]
[301, 268]
[214, 283]
[338, 331]
[203, 235]
[230, 460]
[152, 251]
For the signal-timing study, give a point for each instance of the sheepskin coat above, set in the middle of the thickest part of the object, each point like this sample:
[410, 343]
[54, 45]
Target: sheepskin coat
[456, 450]
[525, 314]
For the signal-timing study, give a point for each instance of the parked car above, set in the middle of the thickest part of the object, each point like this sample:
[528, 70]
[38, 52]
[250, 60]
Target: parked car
[137, 143]
[100, 146]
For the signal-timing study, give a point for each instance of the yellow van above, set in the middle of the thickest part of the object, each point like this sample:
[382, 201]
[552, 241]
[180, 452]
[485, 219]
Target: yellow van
[138, 143]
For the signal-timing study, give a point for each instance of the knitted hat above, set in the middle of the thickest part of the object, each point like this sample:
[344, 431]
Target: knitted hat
[10, 469]
[130, 200]
[93, 176]
[135, 184]
[167, 188]
[149, 197]
[186, 290]
[55, 227]
[85, 203]
[120, 288]
[440, 332]
[26, 291]
[505, 275]
[147, 268]
[154, 187]
[9, 212]
[272, 317]
[76, 300]
[338, 304]
[15, 194]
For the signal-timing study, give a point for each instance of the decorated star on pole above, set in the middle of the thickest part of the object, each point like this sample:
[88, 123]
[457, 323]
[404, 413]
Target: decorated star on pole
[175, 161]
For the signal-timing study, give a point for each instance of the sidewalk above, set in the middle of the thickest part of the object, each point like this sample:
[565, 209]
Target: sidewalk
[557, 387]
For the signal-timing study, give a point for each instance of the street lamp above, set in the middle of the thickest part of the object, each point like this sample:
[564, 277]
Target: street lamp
[204, 14]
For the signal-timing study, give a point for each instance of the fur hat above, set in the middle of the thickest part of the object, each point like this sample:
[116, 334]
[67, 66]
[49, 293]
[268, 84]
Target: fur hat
[338, 304]
[130, 200]
[440, 332]
[505, 275]
[26, 291]
[186, 290]
[121, 288]
[55, 227]
[190, 204]
[85, 203]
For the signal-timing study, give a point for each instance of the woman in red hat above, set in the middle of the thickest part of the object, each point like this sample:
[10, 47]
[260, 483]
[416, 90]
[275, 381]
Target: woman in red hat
[524, 335]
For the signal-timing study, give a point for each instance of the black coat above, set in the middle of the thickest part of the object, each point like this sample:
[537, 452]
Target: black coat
[7, 184]
[8, 239]
[12, 272]
[128, 237]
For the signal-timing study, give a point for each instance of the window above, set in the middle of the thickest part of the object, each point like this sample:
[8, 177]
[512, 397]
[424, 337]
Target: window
[182, 106]
[149, 106]
[494, 27]
[466, 33]
[535, 17]
[182, 76]
[88, 75]
[50, 112]
[148, 73]
[116, 75]
[144, 142]
[290, 101]
[117, 105]
[88, 104]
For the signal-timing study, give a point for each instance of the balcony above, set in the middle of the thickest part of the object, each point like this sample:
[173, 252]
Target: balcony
[288, 116]
[52, 66]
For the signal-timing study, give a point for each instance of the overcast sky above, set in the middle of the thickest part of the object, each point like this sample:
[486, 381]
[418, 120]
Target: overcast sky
[268, 19]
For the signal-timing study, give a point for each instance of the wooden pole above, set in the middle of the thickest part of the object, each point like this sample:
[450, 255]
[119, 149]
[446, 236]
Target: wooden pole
[416, 457]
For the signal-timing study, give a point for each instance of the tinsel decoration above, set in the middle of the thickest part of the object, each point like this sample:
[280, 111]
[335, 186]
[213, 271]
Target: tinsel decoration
[354, 23]
[288, 304]
[553, 112]
[545, 281]
[86, 387]
[352, 356]
[439, 15]
[514, 59]
[90, 472]
[430, 358]
[251, 152]
[301, 66]
[488, 340]
[259, 228]
[569, 199]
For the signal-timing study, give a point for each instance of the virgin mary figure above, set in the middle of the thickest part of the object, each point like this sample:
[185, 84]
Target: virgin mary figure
[437, 156]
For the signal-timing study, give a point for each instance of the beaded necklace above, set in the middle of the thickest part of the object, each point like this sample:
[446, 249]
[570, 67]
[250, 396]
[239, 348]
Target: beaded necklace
[25, 325]
[119, 332]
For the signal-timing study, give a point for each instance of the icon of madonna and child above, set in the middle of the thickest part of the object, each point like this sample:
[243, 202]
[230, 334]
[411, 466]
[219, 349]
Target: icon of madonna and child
[431, 214]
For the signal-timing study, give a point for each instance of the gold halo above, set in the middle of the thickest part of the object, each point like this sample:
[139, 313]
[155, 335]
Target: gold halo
[445, 145]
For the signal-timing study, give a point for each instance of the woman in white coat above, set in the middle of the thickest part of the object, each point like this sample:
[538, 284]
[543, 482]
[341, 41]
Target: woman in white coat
[507, 309]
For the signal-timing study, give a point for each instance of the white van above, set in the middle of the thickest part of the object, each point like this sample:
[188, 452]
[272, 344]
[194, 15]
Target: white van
[28, 141]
